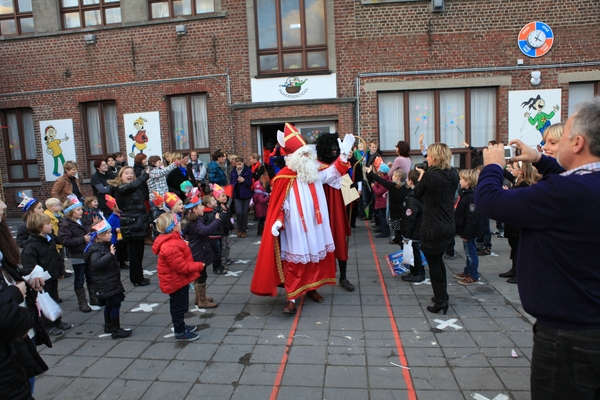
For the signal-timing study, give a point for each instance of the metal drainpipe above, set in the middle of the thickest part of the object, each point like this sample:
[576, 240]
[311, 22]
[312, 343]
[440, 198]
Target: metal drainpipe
[457, 70]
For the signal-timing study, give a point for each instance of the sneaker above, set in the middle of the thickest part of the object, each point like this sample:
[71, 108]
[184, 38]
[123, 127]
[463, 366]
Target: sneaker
[449, 256]
[56, 332]
[229, 261]
[186, 337]
[63, 326]
[500, 234]
[191, 328]
[462, 275]
[67, 275]
[468, 281]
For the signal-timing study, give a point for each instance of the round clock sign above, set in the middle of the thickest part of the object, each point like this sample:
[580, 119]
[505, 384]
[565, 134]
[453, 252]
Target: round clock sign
[535, 39]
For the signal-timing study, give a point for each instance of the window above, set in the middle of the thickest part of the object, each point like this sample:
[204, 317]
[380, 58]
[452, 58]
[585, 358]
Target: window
[189, 123]
[87, 13]
[179, 8]
[579, 92]
[19, 139]
[291, 36]
[449, 116]
[101, 132]
[16, 17]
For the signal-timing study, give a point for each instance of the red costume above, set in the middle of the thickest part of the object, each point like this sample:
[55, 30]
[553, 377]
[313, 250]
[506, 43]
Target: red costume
[338, 218]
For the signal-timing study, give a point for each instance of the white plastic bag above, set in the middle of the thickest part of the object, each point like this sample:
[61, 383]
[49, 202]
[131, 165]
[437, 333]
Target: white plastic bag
[48, 306]
[37, 272]
[408, 258]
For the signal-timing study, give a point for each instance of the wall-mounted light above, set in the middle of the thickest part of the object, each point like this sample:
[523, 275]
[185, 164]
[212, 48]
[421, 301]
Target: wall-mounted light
[438, 6]
[536, 78]
[181, 30]
[90, 39]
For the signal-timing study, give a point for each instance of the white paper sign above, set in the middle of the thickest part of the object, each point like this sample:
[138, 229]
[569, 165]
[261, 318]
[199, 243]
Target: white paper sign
[142, 134]
[294, 88]
[530, 112]
[58, 146]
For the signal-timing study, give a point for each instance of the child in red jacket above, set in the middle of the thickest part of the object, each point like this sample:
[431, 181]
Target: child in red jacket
[176, 270]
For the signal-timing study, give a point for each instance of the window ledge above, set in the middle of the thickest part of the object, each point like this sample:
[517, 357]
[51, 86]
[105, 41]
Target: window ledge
[292, 73]
[22, 184]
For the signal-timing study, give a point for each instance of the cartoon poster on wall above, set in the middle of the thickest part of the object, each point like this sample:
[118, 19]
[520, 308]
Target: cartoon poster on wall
[531, 112]
[142, 134]
[58, 146]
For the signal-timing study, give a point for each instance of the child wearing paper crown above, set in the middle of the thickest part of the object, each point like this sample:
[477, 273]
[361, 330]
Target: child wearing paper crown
[226, 222]
[381, 194]
[215, 237]
[197, 233]
[74, 237]
[100, 254]
[40, 250]
[176, 270]
[114, 220]
[91, 212]
[29, 205]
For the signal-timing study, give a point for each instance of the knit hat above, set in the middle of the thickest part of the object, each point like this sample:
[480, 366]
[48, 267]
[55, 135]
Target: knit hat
[383, 168]
[171, 200]
[111, 202]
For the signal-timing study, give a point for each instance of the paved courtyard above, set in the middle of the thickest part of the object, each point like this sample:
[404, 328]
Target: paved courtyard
[378, 342]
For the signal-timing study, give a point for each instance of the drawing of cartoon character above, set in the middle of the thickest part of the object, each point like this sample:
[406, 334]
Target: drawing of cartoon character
[140, 139]
[541, 120]
[53, 147]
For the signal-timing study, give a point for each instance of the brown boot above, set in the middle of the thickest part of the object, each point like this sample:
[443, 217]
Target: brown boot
[203, 302]
[196, 284]
[93, 298]
[83, 304]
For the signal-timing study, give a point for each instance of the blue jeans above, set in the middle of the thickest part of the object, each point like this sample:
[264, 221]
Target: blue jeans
[179, 305]
[565, 364]
[472, 259]
[82, 273]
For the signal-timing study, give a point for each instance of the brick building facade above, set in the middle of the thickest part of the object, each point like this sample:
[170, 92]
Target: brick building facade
[383, 69]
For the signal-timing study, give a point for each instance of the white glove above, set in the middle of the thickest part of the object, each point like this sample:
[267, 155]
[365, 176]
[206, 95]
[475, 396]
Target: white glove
[275, 228]
[346, 146]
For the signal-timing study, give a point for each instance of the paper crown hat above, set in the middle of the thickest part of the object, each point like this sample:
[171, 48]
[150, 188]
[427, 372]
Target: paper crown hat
[216, 190]
[186, 186]
[111, 202]
[194, 192]
[74, 201]
[101, 226]
[171, 199]
[157, 199]
[27, 201]
[290, 139]
[193, 202]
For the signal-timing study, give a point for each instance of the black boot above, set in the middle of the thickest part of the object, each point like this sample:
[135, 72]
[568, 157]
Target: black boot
[107, 325]
[512, 280]
[511, 273]
[117, 332]
[437, 307]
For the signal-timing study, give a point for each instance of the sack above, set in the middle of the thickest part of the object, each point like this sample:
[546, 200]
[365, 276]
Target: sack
[48, 306]
[409, 255]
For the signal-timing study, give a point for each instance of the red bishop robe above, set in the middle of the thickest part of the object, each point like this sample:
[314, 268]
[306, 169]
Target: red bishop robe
[338, 218]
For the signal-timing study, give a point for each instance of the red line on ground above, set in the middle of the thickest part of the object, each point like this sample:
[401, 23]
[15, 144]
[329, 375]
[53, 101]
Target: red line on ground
[285, 356]
[401, 356]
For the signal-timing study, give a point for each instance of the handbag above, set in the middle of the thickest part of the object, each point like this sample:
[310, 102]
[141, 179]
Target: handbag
[48, 306]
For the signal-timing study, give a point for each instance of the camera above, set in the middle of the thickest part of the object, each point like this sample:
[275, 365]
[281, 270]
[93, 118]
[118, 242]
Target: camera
[509, 152]
[424, 165]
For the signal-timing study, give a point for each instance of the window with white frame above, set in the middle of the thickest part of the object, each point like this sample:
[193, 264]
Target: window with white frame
[16, 17]
[88, 13]
[179, 8]
[19, 144]
[101, 132]
[189, 123]
[580, 92]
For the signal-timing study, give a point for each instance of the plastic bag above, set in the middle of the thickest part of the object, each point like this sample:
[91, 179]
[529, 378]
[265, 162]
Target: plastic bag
[48, 306]
[409, 255]
[38, 272]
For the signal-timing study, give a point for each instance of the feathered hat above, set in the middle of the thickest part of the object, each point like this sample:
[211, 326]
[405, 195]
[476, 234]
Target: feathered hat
[27, 201]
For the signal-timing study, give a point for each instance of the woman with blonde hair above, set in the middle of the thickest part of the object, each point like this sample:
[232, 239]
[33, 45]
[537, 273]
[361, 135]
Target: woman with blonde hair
[437, 187]
[129, 194]
[552, 136]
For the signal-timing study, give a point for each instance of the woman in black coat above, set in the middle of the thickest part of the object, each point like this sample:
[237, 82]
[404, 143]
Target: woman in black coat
[100, 186]
[19, 359]
[135, 224]
[437, 188]
[179, 175]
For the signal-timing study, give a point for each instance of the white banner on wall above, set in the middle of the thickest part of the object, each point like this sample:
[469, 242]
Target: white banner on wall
[531, 112]
[294, 88]
[142, 134]
[58, 146]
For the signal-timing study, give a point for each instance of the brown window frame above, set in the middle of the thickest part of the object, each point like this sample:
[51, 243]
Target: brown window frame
[89, 157]
[192, 145]
[24, 161]
[81, 8]
[171, 8]
[280, 51]
[16, 16]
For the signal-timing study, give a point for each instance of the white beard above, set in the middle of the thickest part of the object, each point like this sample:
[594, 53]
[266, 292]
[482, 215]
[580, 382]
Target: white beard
[304, 162]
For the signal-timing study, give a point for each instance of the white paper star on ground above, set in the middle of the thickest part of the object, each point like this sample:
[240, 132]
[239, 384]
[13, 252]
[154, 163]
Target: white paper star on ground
[145, 307]
[233, 273]
[146, 272]
[451, 323]
[241, 261]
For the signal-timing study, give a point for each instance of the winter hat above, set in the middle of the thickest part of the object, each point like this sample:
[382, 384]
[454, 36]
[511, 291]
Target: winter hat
[383, 168]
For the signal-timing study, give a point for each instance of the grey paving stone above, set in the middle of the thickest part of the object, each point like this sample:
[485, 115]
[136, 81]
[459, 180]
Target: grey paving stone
[346, 311]
[477, 379]
[182, 371]
[303, 375]
[107, 368]
[386, 394]
[149, 333]
[471, 311]
[382, 356]
[345, 394]
[84, 388]
[210, 334]
[514, 324]
[352, 356]
[63, 347]
[462, 357]
[386, 377]
[410, 324]
[125, 390]
[48, 386]
[492, 339]
[455, 339]
[520, 395]
[515, 378]
[240, 339]
[379, 339]
[144, 369]
[521, 339]
[259, 374]
[225, 373]
[252, 392]
[425, 357]
[418, 339]
[346, 376]
[311, 337]
[432, 378]
[71, 366]
[307, 354]
[231, 352]
[501, 311]
[128, 348]
[266, 354]
[197, 351]
[162, 350]
[168, 390]
[440, 395]
[352, 324]
[479, 324]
